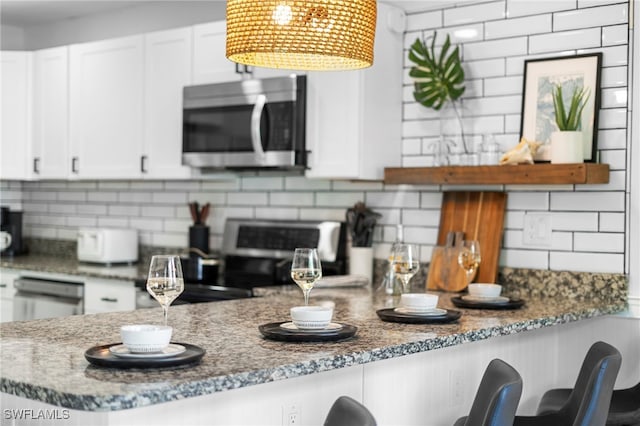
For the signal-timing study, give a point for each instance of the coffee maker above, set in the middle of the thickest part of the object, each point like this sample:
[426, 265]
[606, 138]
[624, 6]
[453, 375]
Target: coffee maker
[11, 243]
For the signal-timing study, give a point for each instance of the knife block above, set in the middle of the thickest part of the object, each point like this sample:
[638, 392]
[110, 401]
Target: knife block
[199, 238]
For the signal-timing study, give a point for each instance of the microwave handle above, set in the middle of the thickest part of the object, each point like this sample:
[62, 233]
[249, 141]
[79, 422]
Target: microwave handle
[256, 137]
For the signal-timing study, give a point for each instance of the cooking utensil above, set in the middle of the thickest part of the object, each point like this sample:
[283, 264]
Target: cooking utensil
[361, 221]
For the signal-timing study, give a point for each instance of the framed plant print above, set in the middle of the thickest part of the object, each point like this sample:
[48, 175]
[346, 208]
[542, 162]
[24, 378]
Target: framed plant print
[538, 116]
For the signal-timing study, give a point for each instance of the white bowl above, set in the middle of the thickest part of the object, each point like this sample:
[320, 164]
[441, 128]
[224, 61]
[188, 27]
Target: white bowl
[420, 301]
[484, 290]
[311, 317]
[143, 338]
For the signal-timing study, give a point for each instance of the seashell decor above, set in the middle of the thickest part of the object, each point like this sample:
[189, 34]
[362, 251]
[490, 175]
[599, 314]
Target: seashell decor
[522, 153]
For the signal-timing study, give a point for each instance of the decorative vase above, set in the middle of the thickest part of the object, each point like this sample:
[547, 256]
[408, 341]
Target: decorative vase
[452, 133]
[566, 147]
[361, 261]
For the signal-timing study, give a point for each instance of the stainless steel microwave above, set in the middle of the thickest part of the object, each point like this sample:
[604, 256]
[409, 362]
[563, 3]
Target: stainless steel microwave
[258, 123]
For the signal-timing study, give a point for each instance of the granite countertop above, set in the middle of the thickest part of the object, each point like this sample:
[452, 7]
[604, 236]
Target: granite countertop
[47, 356]
[71, 266]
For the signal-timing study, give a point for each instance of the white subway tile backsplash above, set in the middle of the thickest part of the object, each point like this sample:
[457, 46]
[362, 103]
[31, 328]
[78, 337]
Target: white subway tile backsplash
[247, 198]
[612, 139]
[276, 213]
[79, 196]
[615, 34]
[411, 146]
[300, 183]
[44, 232]
[102, 196]
[431, 200]
[418, 161]
[147, 224]
[62, 208]
[169, 198]
[389, 216]
[613, 98]
[143, 185]
[42, 196]
[512, 124]
[411, 217]
[80, 221]
[213, 198]
[177, 225]
[587, 262]
[588, 201]
[124, 210]
[495, 49]
[518, 27]
[342, 199]
[503, 86]
[322, 214]
[135, 197]
[613, 56]
[420, 128]
[611, 222]
[527, 201]
[221, 185]
[495, 105]
[475, 13]
[159, 211]
[95, 209]
[291, 198]
[560, 241]
[614, 77]
[111, 185]
[513, 219]
[162, 239]
[113, 222]
[615, 118]
[420, 235]
[616, 159]
[395, 199]
[262, 183]
[516, 258]
[591, 17]
[414, 111]
[599, 242]
[418, 21]
[574, 221]
[465, 33]
[517, 8]
[338, 185]
[67, 234]
[565, 40]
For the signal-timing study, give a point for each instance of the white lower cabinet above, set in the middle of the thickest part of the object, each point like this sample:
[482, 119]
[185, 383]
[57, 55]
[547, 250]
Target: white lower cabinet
[107, 295]
[7, 291]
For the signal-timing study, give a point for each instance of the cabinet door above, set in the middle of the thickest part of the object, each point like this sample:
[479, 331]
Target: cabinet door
[7, 292]
[51, 113]
[167, 71]
[106, 108]
[15, 145]
[333, 133]
[210, 63]
[101, 295]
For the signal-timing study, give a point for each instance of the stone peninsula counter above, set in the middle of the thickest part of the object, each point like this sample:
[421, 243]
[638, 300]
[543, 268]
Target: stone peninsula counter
[43, 360]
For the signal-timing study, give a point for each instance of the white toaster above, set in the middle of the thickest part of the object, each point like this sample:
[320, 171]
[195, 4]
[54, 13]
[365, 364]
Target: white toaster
[107, 245]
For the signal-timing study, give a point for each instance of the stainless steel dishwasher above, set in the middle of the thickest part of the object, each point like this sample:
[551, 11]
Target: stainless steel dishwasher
[37, 298]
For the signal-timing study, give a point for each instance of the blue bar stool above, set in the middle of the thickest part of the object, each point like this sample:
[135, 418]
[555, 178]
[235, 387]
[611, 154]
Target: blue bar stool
[623, 411]
[497, 397]
[346, 411]
[589, 400]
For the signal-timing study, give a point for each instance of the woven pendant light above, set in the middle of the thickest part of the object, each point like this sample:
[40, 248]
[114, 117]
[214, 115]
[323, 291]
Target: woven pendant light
[301, 35]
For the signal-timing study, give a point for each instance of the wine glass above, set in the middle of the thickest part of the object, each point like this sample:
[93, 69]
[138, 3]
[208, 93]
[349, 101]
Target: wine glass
[469, 258]
[306, 270]
[165, 282]
[404, 263]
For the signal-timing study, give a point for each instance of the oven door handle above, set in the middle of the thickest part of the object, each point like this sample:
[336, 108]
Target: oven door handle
[256, 137]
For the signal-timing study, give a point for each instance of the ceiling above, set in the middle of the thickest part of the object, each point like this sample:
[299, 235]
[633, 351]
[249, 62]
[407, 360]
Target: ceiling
[24, 13]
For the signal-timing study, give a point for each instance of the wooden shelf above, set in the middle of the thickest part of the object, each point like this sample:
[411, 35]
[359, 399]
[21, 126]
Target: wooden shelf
[521, 174]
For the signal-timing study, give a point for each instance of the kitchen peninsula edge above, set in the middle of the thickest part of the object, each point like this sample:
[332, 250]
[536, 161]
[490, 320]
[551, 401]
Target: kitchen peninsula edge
[46, 357]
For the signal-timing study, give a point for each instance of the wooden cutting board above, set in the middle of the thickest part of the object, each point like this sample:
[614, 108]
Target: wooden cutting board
[480, 215]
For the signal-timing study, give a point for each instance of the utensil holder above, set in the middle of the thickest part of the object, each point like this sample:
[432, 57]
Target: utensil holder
[361, 261]
[199, 237]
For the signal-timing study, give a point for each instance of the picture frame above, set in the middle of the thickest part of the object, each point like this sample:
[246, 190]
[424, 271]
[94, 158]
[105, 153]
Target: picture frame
[538, 116]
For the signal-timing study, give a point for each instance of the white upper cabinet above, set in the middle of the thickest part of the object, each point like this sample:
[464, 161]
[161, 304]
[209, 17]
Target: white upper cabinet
[167, 61]
[51, 114]
[210, 63]
[17, 96]
[354, 117]
[107, 108]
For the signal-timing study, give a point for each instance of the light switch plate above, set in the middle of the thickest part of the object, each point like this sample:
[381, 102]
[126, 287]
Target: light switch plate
[537, 230]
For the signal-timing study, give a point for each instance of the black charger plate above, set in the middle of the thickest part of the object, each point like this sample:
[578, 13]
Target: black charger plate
[102, 356]
[273, 331]
[472, 304]
[390, 315]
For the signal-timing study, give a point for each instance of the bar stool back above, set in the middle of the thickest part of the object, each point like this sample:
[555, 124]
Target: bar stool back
[588, 402]
[346, 411]
[497, 397]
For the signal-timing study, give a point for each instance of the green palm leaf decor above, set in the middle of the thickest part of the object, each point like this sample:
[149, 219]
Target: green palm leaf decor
[437, 78]
[570, 120]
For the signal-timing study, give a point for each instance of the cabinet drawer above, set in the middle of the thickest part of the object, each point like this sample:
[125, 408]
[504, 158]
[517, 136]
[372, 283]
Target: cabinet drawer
[6, 284]
[109, 296]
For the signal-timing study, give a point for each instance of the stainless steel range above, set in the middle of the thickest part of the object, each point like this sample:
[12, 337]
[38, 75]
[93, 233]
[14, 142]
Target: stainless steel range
[257, 253]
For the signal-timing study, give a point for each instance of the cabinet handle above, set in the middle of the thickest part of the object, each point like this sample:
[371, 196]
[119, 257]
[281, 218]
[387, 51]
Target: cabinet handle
[36, 164]
[74, 165]
[3, 286]
[109, 299]
[248, 69]
[238, 70]
[143, 163]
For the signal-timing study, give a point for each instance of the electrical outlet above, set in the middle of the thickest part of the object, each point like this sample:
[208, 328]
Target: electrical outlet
[537, 230]
[290, 415]
[456, 387]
